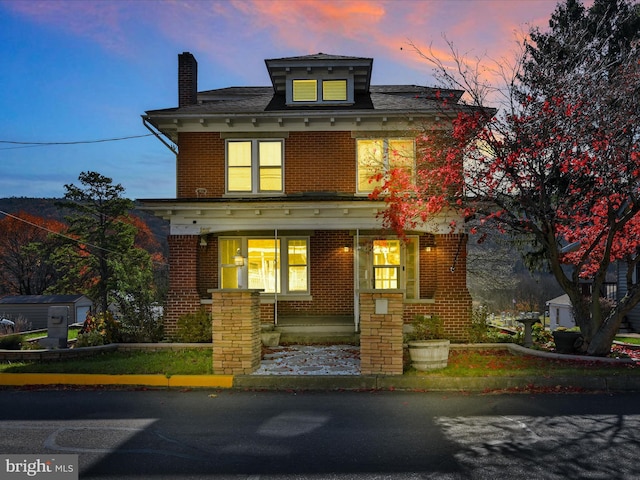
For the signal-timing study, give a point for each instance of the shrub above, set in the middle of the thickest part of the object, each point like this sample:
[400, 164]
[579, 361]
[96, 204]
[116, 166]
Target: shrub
[426, 327]
[102, 324]
[479, 329]
[90, 339]
[10, 342]
[194, 327]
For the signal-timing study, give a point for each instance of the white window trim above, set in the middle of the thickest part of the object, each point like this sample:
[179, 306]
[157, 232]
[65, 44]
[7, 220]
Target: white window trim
[402, 268]
[283, 261]
[255, 168]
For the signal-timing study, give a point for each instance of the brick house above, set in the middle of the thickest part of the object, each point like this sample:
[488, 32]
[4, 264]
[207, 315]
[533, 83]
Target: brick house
[272, 194]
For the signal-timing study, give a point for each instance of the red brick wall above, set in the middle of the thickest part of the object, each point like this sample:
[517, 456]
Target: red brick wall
[320, 162]
[331, 277]
[183, 294]
[200, 164]
[208, 266]
[314, 162]
[428, 277]
[453, 301]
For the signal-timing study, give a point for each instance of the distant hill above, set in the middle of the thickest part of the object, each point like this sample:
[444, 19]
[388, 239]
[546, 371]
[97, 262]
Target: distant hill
[47, 208]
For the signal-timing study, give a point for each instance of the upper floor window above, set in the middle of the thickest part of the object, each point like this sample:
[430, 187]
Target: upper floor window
[328, 91]
[376, 155]
[334, 90]
[305, 90]
[254, 166]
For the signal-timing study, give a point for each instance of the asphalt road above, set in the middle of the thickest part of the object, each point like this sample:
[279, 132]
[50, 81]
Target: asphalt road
[121, 434]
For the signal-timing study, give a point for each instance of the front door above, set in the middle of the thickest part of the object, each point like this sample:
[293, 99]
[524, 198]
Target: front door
[387, 264]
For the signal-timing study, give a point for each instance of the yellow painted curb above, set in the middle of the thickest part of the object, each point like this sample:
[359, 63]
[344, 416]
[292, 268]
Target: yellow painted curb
[20, 379]
[219, 381]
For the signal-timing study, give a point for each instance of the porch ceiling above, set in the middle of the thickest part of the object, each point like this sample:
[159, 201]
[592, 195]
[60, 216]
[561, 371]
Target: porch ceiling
[200, 218]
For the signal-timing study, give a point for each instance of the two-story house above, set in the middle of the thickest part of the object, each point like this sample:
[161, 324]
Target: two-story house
[273, 189]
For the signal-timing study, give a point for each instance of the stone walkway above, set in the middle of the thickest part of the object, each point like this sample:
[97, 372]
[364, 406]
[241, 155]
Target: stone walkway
[311, 360]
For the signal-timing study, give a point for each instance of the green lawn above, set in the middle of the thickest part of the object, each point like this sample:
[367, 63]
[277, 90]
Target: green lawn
[462, 363]
[169, 362]
[483, 363]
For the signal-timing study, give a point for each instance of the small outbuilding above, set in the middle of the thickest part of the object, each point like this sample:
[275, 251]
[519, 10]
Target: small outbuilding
[35, 308]
[560, 312]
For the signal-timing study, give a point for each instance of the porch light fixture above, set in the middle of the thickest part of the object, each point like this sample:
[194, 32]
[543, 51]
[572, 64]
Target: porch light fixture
[346, 249]
[238, 259]
[203, 241]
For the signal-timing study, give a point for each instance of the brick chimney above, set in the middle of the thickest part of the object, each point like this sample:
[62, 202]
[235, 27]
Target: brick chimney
[187, 79]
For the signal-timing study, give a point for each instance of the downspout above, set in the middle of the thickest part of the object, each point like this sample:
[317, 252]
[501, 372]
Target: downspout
[173, 148]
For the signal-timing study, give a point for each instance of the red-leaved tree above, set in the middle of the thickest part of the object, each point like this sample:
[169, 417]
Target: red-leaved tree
[26, 244]
[557, 167]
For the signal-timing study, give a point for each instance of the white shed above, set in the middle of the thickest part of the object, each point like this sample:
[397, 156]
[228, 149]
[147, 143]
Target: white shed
[560, 312]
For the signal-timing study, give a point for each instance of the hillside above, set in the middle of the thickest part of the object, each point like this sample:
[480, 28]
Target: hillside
[47, 208]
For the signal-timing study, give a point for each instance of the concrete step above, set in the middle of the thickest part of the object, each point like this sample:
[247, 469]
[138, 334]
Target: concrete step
[319, 339]
[317, 329]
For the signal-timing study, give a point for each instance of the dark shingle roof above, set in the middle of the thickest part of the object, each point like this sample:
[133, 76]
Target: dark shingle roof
[29, 299]
[238, 100]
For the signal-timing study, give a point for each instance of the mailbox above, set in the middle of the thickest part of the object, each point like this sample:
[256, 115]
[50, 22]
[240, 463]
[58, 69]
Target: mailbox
[57, 327]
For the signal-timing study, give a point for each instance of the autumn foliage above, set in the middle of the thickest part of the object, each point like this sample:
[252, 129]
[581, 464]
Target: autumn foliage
[557, 167]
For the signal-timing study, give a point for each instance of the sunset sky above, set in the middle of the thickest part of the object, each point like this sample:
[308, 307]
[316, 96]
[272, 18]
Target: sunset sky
[77, 71]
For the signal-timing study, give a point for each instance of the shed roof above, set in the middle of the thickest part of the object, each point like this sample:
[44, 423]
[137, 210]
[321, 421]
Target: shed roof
[41, 299]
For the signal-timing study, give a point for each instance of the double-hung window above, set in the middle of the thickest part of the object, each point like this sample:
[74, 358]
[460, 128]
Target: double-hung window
[255, 166]
[377, 156]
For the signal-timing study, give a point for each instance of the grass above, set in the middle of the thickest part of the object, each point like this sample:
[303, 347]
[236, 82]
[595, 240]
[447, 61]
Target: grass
[170, 362]
[493, 363]
[462, 363]
[72, 334]
[630, 340]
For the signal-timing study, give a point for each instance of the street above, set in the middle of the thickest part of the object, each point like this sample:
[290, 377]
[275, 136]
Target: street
[120, 434]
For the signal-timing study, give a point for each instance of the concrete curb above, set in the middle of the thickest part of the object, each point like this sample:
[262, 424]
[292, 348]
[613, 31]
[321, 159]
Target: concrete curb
[328, 382]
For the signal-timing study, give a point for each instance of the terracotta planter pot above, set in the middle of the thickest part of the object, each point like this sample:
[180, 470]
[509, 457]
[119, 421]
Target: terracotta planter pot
[429, 354]
[567, 342]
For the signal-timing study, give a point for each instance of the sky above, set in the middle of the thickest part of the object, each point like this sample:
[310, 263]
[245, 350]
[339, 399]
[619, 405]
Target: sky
[75, 71]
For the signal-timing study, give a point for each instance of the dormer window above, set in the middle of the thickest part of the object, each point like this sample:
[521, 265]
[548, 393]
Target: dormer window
[334, 90]
[320, 91]
[305, 90]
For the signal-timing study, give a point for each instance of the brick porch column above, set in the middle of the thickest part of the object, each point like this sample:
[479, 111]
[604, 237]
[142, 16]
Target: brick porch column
[237, 348]
[182, 296]
[381, 332]
[453, 301]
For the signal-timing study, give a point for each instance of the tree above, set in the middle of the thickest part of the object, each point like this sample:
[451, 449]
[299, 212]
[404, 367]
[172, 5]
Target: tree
[557, 167]
[26, 245]
[103, 260]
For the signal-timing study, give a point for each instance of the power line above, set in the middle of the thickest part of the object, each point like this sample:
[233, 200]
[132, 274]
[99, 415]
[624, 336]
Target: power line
[67, 237]
[78, 142]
